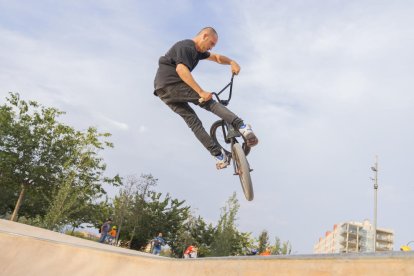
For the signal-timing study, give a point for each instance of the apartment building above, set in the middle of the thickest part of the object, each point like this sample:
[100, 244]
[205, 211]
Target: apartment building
[355, 237]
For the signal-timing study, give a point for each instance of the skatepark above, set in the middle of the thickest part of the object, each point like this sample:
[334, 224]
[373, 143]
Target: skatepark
[29, 250]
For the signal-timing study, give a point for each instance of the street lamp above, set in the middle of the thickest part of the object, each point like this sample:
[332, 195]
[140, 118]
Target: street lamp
[375, 170]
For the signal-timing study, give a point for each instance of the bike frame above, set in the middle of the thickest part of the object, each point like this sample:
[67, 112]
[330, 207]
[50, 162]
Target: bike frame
[231, 132]
[237, 151]
[230, 84]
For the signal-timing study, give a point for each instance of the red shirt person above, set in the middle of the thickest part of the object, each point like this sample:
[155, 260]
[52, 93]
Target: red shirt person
[190, 252]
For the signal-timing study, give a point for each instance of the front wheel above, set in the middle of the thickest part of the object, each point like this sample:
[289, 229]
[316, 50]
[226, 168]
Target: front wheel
[242, 169]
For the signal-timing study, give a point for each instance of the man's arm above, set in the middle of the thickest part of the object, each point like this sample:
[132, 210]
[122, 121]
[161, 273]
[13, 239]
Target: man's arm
[235, 68]
[185, 74]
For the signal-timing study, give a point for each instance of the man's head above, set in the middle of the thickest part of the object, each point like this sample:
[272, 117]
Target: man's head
[159, 234]
[206, 39]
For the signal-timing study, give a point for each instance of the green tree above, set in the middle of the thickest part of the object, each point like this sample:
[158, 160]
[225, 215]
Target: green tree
[227, 239]
[196, 231]
[281, 248]
[30, 151]
[42, 159]
[62, 205]
[159, 214]
[145, 213]
[92, 213]
[263, 241]
[130, 201]
[122, 204]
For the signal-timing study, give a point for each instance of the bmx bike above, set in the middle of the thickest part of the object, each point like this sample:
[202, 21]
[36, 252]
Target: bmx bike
[227, 137]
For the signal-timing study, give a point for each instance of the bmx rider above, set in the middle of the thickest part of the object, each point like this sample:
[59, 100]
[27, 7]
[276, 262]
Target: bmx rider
[176, 87]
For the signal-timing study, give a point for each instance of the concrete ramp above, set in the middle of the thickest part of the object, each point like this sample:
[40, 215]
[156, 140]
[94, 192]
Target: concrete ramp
[27, 250]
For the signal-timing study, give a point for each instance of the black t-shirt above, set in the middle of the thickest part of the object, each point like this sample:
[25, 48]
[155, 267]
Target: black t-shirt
[181, 52]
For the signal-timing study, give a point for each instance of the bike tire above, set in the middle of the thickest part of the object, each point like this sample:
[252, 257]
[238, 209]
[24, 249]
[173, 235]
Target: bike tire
[243, 170]
[218, 133]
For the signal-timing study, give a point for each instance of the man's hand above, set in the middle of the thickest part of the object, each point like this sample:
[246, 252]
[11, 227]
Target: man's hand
[205, 96]
[235, 68]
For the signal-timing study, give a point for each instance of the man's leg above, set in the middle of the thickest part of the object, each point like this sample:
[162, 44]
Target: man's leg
[182, 93]
[194, 123]
[223, 112]
[177, 98]
[103, 237]
[156, 251]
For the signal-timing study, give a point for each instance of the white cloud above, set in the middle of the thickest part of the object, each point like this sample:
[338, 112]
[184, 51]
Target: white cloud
[114, 123]
[143, 129]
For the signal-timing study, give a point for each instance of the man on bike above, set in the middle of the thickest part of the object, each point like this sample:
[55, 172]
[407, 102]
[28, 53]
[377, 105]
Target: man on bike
[176, 87]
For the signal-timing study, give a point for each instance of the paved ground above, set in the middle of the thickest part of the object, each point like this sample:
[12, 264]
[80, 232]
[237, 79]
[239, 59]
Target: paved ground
[28, 250]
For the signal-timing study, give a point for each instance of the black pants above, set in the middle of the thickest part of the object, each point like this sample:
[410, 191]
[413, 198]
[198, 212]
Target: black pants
[178, 96]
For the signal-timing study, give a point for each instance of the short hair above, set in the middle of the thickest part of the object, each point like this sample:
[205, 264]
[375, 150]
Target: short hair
[211, 30]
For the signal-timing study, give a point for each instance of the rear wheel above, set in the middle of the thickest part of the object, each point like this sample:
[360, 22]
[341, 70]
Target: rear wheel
[218, 132]
[243, 171]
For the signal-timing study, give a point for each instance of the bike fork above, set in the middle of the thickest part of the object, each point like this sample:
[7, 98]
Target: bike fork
[235, 167]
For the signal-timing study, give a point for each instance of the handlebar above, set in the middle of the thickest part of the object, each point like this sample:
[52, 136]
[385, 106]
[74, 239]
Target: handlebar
[223, 102]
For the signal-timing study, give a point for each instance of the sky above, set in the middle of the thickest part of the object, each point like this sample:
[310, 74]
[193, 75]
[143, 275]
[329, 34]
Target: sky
[326, 85]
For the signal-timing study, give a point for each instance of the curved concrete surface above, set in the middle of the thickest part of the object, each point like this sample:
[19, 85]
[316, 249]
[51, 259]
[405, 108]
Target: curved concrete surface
[28, 250]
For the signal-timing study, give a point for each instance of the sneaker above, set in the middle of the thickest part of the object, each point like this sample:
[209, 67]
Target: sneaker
[249, 136]
[222, 161]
